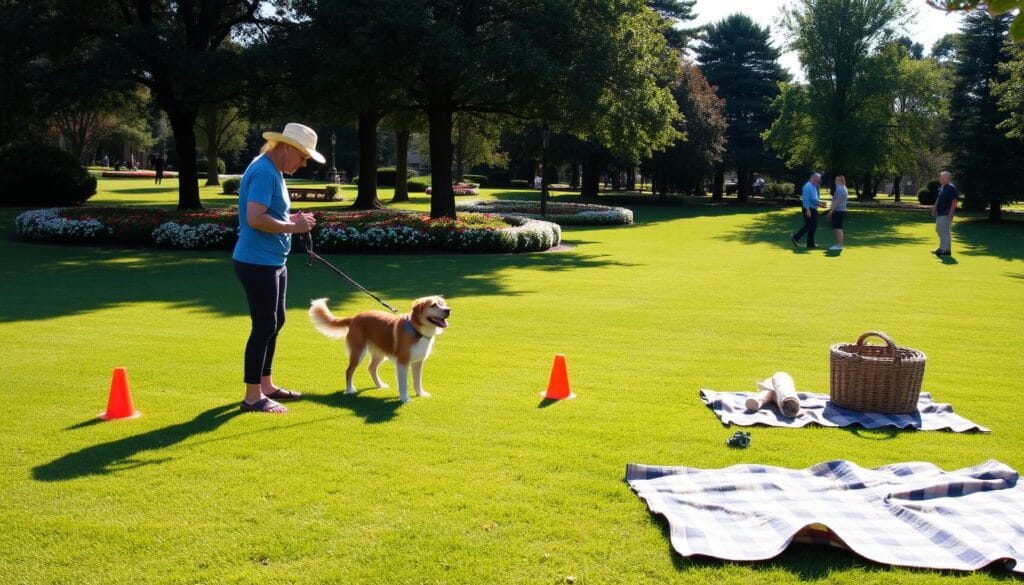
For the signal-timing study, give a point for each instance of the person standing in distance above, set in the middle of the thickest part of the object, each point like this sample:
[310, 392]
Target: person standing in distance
[943, 211]
[809, 201]
[837, 212]
[264, 239]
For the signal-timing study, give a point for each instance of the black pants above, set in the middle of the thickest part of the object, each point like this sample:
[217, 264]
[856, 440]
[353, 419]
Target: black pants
[810, 225]
[265, 288]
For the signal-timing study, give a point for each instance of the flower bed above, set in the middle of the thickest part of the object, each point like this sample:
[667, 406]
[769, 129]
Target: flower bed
[561, 213]
[336, 231]
[137, 174]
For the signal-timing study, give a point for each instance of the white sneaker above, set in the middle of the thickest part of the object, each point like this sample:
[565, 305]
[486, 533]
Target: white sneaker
[835, 247]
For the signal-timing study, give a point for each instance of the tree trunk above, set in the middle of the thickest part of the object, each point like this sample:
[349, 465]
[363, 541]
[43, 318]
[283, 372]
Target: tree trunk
[631, 179]
[183, 124]
[212, 172]
[897, 187]
[591, 177]
[401, 166]
[995, 209]
[745, 187]
[366, 195]
[459, 153]
[718, 184]
[575, 182]
[442, 196]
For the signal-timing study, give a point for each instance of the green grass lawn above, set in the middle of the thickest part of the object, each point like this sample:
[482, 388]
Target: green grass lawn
[480, 483]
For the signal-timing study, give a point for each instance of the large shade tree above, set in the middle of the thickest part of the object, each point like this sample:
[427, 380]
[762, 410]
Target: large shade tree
[180, 50]
[986, 163]
[738, 57]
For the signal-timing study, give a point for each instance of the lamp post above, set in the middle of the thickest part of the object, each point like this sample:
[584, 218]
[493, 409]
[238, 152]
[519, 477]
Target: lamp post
[334, 169]
[544, 171]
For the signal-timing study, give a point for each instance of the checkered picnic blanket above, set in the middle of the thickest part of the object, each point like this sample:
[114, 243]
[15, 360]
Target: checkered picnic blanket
[730, 408]
[907, 514]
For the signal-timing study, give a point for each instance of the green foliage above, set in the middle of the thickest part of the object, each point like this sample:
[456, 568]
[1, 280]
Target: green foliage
[480, 180]
[926, 197]
[738, 58]
[38, 175]
[385, 177]
[1010, 92]
[995, 8]
[418, 185]
[986, 163]
[842, 47]
[221, 167]
[674, 14]
[230, 186]
[780, 190]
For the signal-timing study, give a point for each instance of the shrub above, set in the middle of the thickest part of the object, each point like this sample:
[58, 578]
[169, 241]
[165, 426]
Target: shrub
[926, 197]
[221, 167]
[781, 190]
[333, 191]
[418, 185]
[386, 177]
[480, 180]
[38, 175]
[519, 184]
[558, 212]
[231, 185]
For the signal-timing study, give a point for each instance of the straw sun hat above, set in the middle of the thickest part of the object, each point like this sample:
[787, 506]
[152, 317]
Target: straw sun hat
[300, 136]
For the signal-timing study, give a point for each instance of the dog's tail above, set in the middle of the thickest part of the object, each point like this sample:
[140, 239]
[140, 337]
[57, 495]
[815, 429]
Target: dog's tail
[325, 321]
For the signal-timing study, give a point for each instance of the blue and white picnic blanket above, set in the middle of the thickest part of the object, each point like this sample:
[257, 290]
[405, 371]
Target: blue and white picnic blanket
[907, 514]
[730, 408]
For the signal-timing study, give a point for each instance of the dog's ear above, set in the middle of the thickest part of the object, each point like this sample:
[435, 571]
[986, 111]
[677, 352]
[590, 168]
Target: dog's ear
[418, 306]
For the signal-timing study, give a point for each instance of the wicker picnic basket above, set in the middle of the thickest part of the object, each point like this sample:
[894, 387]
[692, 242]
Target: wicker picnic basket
[876, 378]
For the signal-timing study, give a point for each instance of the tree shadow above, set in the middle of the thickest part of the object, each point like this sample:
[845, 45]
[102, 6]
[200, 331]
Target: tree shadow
[372, 409]
[865, 228]
[120, 454]
[36, 279]
[979, 237]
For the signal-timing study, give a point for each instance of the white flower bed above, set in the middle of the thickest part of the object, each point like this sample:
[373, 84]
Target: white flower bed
[522, 235]
[561, 213]
[47, 224]
[205, 235]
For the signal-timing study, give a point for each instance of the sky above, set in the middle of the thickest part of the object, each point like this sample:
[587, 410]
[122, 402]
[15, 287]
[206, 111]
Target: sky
[925, 28]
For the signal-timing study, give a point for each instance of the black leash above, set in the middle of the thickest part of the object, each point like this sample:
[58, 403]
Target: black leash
[307, 242]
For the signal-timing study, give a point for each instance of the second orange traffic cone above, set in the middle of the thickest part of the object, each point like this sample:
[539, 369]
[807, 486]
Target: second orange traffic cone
[119, 403]
[558, 385]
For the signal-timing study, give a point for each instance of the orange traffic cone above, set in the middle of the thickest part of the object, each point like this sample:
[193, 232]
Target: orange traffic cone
[119, 404]
[558, 385]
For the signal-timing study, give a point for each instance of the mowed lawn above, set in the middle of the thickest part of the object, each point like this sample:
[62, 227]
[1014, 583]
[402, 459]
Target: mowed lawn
[481, 483]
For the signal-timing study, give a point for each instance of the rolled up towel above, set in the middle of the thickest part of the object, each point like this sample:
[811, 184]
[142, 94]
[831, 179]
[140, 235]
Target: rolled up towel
[766, 395]
[785, 394]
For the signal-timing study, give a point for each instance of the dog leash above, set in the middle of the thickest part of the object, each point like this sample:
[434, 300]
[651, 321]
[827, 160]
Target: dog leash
[307, 242]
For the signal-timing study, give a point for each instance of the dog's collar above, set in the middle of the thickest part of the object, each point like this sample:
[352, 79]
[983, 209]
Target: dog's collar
[414, 331]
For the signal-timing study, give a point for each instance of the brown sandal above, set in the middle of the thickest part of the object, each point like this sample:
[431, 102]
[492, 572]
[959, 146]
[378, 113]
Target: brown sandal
[283, 394]
[264, 405]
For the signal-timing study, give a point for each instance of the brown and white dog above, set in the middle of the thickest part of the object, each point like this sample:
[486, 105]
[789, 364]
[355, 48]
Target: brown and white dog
[405, 339]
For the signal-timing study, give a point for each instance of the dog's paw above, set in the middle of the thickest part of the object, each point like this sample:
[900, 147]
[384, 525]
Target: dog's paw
[405, 400]
[423, 394]
[383, 386]
[350, 391]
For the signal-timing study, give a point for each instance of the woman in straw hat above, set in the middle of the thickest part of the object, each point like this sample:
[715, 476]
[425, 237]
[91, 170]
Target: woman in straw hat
[264, 240]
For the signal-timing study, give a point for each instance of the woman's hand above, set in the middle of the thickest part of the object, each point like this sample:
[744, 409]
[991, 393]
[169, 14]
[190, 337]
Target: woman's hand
[303, 222]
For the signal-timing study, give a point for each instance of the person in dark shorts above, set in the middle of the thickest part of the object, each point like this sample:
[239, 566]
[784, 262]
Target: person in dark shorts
[837, 211]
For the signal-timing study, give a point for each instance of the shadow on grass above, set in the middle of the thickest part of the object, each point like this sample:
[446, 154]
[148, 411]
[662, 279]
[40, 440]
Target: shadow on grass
[863, 229]
[41, 281]
[979, 237]
[120, 454]
[810, 562]
[372, 409]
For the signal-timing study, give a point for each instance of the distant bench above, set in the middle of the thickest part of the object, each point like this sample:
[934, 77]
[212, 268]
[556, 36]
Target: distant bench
[306, 194]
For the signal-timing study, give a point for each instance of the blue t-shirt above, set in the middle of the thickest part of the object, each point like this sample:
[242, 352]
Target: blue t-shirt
[945, 199]
[262, 183]
[809, 196]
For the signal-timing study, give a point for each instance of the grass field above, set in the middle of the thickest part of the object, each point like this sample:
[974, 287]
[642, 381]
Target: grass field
[480, 483]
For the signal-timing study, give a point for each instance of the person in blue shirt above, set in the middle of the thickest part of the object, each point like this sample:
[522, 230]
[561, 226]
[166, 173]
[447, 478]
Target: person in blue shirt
[944, 210]
[809, 201]
[265, 226]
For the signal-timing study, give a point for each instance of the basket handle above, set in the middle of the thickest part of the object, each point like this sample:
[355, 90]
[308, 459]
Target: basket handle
[888, 342]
